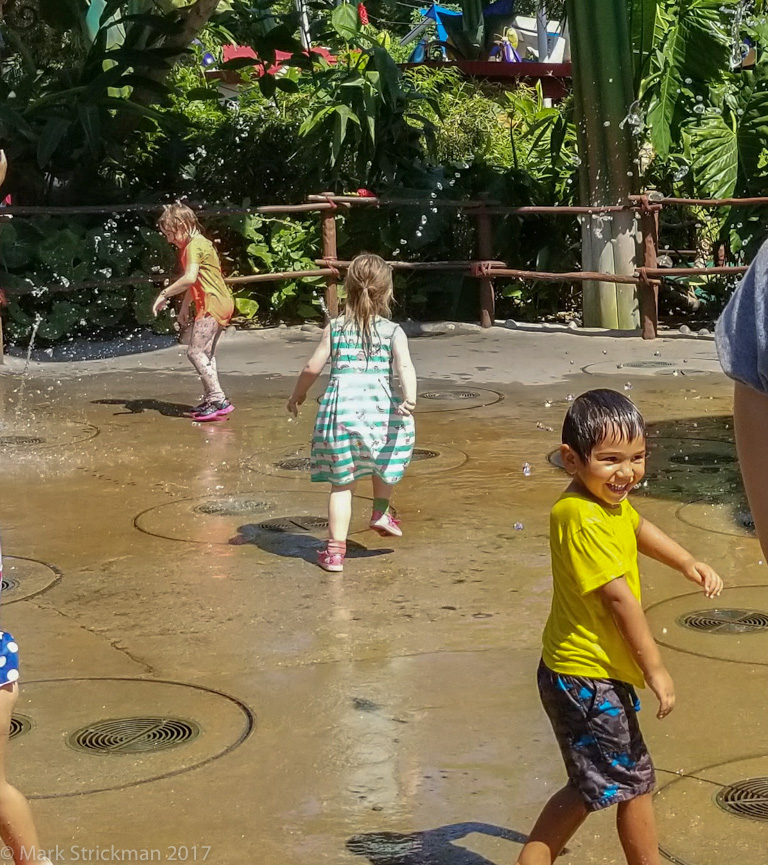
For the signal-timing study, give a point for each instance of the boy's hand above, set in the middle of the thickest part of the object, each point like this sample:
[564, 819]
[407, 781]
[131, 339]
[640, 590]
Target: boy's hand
[292, 406]
[662, 685]
[701, 574]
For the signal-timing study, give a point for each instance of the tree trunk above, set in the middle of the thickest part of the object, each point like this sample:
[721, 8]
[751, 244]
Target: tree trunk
[603, 89]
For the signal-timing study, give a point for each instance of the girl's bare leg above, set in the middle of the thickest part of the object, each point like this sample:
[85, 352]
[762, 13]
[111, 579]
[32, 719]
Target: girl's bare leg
[750, 417]
[17, 828]
[636, 824]
[340, 511]
[205, 336]
[381, 489]
[561, 817]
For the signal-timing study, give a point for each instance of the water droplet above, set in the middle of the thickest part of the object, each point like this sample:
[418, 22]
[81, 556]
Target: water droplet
[518, 527]
[604, 351]
[547, 404]
[657, 354]
[527, 469]
[699, 108]
[627, 385]
[570, 398]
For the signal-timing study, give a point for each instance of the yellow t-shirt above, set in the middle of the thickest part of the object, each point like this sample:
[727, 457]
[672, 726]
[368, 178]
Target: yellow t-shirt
[210, 293]
[591, 545]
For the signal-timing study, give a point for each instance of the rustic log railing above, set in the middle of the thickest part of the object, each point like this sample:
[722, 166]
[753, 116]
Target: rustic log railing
[647, 276]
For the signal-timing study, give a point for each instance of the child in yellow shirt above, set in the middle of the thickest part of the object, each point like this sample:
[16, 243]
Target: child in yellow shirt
[597, 645]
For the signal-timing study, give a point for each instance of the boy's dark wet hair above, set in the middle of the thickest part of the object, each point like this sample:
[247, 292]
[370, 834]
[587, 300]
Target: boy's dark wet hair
[597, 414]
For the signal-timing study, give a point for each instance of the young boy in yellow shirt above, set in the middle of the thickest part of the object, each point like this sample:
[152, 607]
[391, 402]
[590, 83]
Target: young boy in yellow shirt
[597, 645]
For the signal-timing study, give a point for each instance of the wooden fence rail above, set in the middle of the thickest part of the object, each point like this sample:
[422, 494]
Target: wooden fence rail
[484, 268]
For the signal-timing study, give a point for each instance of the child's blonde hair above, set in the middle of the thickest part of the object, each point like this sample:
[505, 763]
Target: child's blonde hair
[368, 286]
[178, 219]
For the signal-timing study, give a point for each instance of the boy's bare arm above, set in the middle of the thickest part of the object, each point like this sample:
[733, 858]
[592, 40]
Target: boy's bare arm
[631, 622]
[652, 542]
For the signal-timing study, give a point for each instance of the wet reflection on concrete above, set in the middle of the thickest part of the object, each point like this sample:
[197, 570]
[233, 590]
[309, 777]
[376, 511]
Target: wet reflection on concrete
[396, 713]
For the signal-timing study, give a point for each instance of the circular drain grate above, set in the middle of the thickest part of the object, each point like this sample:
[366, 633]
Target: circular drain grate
[451, 394]
[422, 454]
[648, 364]
[134, 735]
[748, 798]
[19, 724]
[8, 585]
[232, 507]
[21, 441]
[294, 464]
[725, 621]
[292, 524]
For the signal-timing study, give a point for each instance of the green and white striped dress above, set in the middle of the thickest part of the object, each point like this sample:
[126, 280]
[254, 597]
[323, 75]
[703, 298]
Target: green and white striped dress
[357, 432]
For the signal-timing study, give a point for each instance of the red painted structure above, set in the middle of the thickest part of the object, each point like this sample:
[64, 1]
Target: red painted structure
[555, 78]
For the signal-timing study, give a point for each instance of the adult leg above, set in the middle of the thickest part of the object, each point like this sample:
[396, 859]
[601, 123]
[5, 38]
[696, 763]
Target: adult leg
[557, 823]
[750, 416]
[205, 335]
[340, 511]
[17, 828]
[636, 824]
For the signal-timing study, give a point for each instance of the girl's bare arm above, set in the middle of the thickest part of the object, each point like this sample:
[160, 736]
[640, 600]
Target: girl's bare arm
[405, 370]
[311, 371]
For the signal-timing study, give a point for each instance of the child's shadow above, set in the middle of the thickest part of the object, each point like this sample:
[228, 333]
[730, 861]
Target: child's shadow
[137, 406]
[431, 847]
[295, 544]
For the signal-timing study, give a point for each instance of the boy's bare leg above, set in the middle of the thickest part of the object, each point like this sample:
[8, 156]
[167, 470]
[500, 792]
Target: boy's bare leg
[750, 416]
[561, 817]
[636, 824]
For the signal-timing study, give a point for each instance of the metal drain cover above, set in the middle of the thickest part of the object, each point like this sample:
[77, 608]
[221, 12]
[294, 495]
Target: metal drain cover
[451, 394]
[19, 724]
[423, 454]
[134, 735]
[294, 464]
[292, 524]
[232, 507]
[726, 621]
[21, 441]
[648, 364]
[748, 798]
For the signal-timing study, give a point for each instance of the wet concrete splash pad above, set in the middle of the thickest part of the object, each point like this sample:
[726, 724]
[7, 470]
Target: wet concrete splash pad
[62, 711]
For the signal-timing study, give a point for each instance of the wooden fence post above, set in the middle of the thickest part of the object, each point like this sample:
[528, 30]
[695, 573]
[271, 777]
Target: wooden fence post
[647, 290]
[485, 253]
[328, 222]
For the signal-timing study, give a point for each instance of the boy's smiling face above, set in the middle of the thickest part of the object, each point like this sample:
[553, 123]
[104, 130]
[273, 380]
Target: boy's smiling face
[614, 467]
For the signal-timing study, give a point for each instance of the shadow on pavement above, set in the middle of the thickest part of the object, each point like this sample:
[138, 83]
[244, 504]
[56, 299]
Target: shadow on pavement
[431, 847]
[137, 406]
[296, 545]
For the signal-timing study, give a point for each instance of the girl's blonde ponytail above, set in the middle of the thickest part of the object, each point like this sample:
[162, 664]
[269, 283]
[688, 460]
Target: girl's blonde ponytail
[369, 291]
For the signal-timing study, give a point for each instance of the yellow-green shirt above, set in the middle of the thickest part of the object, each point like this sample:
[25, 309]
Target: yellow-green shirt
[210, 293]
[590, 545]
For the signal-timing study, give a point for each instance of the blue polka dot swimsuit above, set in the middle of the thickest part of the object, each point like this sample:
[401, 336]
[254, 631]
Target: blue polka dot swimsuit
[9, 650]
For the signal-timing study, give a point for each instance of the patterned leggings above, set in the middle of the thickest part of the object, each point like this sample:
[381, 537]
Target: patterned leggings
[202, 346]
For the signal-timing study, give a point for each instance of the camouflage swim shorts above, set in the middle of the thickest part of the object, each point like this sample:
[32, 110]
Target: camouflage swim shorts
[595, 724]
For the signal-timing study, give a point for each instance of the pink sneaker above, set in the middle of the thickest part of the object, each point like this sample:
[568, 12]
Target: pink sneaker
[385, 524]
[333, 562]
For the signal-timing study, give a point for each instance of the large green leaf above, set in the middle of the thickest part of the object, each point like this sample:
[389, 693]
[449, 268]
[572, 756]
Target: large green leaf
[642, 23]
[715, 152]
[343, 113]
[51, 137]
[695, 45]
[346, 20]
[753, 133]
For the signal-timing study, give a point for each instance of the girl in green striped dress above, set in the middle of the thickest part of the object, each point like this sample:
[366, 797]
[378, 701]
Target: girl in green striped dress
[362, 429]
